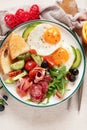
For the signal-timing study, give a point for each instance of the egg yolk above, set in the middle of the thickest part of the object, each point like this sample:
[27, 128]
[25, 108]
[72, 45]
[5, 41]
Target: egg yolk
[52, 35]
[60, 56]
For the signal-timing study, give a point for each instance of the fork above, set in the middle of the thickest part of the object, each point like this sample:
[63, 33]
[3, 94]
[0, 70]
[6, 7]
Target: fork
[80, 91]
[79, 96]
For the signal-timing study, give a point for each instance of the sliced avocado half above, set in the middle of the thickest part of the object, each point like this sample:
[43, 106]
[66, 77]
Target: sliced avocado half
[77, 60]
[28, 29]
[74, 52]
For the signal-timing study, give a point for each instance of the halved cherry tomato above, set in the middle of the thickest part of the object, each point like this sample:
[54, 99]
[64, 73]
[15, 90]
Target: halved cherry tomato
[68, 75]
[14, 73]
[50, 60]
[84, 32]
[32, 74]
[30, 65]
[32, 51]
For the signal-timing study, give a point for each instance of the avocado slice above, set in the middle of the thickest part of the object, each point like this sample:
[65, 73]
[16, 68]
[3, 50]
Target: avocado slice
[28, 29]
[77, 60]
[74, 52]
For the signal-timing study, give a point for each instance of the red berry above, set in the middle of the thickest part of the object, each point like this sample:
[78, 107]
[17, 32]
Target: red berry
[25, 16]
[19, 11]
[22, 16]
[19, 15]
[35, 8]
[17, 20]
[10, 20]
[33, 15]
[34, 12]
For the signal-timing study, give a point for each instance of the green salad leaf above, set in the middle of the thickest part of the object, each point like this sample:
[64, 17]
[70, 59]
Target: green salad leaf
[59, 82]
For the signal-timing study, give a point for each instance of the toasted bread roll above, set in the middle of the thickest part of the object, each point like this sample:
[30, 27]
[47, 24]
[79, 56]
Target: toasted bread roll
[17, 46]
[5, 59]
[69, 6]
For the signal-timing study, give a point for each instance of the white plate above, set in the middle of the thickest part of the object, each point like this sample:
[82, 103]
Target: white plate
[70, 38]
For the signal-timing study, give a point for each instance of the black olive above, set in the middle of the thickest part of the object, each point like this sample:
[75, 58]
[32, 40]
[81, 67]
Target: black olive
[5, 97]
[74, 71]
[72, 78]
[44, 64]
[2, 107]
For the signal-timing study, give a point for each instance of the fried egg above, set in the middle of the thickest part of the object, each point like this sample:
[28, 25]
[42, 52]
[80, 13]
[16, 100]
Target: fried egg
[64, 56]
[45, 39]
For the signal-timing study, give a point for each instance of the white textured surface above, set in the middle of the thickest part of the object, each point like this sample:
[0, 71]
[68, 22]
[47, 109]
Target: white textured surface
[20, 117]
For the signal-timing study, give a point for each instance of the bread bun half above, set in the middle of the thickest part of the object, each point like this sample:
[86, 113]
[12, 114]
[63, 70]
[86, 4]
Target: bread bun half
[13, 46]
[5, 59]
[17, 46]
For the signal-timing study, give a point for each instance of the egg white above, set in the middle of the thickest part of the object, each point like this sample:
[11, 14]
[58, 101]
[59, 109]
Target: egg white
[37, 42]
[70, 61]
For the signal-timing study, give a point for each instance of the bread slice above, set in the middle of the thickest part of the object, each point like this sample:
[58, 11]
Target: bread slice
[5, 59]
[17, 46]
[69, 6]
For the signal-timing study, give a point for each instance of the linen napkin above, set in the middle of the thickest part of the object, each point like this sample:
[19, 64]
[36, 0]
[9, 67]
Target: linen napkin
[50, 12]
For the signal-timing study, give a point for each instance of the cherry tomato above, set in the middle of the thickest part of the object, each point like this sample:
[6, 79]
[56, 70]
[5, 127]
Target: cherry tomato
[50, 61]
[30, 65]
[14, 73]
[68, 75]
[32, 74]
[32, 51]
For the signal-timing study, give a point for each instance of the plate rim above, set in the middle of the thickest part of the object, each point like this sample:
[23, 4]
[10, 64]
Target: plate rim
[84, 59]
